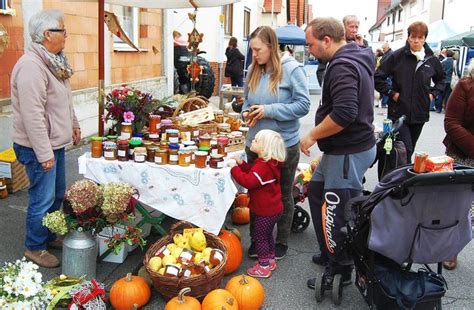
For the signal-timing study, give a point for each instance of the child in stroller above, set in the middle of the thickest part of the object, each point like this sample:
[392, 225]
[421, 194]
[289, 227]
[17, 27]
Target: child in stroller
[408, 218]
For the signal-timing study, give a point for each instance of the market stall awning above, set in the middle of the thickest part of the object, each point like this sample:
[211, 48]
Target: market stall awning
[463, 39]
[291, 35]
[165, 4]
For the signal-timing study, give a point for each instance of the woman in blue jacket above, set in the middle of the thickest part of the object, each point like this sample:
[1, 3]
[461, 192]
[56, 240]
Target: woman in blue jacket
[276, 97]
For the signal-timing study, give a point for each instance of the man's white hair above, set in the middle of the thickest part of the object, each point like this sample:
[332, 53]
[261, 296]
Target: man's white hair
[42, 21]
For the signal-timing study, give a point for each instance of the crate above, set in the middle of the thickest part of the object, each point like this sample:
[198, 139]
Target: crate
[112, 258]
[13, 171]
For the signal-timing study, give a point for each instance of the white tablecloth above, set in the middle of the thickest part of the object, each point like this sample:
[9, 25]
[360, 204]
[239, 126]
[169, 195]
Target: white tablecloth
[200, 196]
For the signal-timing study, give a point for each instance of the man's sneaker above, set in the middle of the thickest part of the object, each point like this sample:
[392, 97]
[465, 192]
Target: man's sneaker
[252, 251]
[320, 259]
[273, 264]
[42, 258]
[280, 251]
[56, 244]
[258, 271]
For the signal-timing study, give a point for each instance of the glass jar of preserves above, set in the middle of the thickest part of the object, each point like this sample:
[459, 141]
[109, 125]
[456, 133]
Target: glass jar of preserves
[147, 143]
[154, 137]
[122, 150]
[224, 127]
[184, 157]
[96, 147]
[126, 130]
[200, 159]
[219, 116]
[165, 125]
[150, 153]
[185, 257]
[192, 149]
[172, 135]
[222, 143]
[234, 120]
[164, 145]
[216, 161]
[213, 149]
[216, 257]
[161, 157]
[194, 129]
[171, 271]
[205, 140]
[173, 154]
[112, 138]
[139, 155]
[154, 124]
[244, 130]
[189, 143]
[132, 144]
[110, 150]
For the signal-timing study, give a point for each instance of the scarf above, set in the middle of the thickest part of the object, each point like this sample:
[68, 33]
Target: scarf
[420, 55]
[57, 63]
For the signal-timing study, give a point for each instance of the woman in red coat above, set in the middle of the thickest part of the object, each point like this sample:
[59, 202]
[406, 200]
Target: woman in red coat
[459, 126]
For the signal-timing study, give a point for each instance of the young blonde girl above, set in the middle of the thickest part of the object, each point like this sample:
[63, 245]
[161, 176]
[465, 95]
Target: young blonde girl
[262, 179]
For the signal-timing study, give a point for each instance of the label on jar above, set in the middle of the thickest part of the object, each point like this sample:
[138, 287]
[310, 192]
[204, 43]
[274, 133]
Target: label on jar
[158, 126]
[187, 273]
[109, 154]
[121, 153]
[174, 140]
[125, 135]
[163, 251]
[187, 159]
[171, 270]
[173, 157]
[226, 149]
[214, 151]
[186, 136]
[196, 133]
[220, 164]
[139, 158]
[158, 160]
[186, 256]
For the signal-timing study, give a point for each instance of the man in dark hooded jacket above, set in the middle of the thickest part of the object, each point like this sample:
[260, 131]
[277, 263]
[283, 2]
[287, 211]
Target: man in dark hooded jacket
[345, 134]
[412, 70]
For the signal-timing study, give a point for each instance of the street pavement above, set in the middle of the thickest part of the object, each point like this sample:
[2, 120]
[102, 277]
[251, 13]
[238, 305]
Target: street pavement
[286, 289]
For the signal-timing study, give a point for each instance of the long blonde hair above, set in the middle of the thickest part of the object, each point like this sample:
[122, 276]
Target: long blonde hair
[269, 38]
[272, 144]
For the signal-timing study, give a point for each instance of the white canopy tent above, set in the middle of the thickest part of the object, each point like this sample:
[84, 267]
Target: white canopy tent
[438, 31]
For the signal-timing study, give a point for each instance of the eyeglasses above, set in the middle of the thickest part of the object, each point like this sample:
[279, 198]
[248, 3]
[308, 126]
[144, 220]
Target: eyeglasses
[58, 30]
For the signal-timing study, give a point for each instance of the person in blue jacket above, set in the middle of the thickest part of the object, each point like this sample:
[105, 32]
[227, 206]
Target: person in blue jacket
[276, 97]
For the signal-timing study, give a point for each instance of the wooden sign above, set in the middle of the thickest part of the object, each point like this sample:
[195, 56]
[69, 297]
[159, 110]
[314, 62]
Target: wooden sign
[197, 116]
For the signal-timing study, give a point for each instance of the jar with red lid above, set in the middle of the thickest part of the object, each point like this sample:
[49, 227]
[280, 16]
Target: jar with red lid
[222, 143]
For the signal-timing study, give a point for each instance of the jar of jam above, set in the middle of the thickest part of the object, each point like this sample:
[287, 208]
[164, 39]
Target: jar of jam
[161, 157]
[132, 144]
[200, 159]
[244, 130]
[184, 157]
[96, 147]
[173, 154]
[139, 155]
[224, 127]
[189, 143]
[150, 153]
[126, 131]
[171, 271]
[122, 150]
[234, 120]
[162, 252]
[154, 124]
[3, 192]
[185, 134]
[194, 129]
[192, 149]
[172, 135]
[165, 125]
[216, 161]
[219, 116]
[214, 149]
[222, 143]
[110, 150]
[216, 257]
[205, 140]
[186, 256]
[154, 137]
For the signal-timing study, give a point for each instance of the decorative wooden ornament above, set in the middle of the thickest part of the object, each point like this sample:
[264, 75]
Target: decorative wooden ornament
[4, 39]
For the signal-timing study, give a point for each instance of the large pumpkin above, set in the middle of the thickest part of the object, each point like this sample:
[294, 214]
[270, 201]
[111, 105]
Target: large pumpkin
[129, 292]
[241, 215]
[248, 291]
[241, 200]
[234, 250]
[182, 302]
[219, 299]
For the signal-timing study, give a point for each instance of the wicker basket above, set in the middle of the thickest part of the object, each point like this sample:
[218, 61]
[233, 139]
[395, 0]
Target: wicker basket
[201, 284]
[191, 104]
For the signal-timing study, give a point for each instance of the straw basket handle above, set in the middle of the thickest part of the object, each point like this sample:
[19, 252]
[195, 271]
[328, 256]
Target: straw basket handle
[190, 104]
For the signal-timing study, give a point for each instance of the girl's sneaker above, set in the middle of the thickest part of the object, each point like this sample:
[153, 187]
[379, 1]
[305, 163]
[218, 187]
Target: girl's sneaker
[258, 271]
[273, 264]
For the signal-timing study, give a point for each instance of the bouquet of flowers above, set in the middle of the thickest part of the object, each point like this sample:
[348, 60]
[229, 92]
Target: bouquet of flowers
[92, 207]
[130, 105]
[21, 287]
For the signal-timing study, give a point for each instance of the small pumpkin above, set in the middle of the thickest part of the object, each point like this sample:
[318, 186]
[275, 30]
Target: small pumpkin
[241, 200]
[219, 299]
[182, 302]
[129, 292]
[234, 250]
[248, 292]
[241, 215]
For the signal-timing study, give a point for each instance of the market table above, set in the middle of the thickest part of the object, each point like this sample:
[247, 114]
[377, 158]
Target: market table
[199, 196]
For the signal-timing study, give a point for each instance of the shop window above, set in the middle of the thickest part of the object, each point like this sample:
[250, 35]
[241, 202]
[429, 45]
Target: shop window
[6, 8]
[228, 11]
[246, 23]
[128, 19]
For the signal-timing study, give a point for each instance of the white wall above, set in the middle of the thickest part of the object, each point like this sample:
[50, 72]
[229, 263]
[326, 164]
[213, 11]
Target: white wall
[458, 14]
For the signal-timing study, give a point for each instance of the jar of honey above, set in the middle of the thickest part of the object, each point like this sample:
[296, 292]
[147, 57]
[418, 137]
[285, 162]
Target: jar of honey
[219, 116]
[173, 154]
[216, 161]
[185, 134]
[171, 271]
[139, 155]
[126, 131]
[3, 192]
[224, 127]
[184, 157]
[122, 150]
[185, 257]
[172, 135]
[110, 150]
[205, 140]
[216, 257]
[200, 159]
[192, 149]
[96, 147]
[154, 124]
[222, 143]
[161, 157]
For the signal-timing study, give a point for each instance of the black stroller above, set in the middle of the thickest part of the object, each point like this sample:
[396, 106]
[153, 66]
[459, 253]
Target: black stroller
[408, 219]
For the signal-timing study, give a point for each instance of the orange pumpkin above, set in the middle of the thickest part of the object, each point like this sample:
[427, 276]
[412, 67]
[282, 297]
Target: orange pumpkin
[235, 231]
[234, 250]
[219, 299]
[241, 200]
[241, 215]
[248, 292]
[182, 302]
[129, 293]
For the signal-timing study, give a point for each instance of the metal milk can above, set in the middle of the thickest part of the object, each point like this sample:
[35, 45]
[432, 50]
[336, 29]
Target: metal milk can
[79, 254]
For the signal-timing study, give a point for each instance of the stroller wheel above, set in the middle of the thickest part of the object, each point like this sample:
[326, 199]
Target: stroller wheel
[318, 287]
[337, 289]
[301, 220]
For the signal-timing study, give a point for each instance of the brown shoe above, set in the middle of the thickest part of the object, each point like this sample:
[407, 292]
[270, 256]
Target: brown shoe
[56, 244]
[42, 258]
[450, 264]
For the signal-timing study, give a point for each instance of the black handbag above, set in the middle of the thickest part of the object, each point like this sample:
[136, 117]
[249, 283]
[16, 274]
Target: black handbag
[408, 287]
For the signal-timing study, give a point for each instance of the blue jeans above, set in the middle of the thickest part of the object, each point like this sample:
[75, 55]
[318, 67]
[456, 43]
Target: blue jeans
[45, 194]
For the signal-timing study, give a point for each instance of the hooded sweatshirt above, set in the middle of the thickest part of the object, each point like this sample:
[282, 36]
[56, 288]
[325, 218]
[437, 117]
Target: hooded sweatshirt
[262, 179]
[284, 108]
[348, 98]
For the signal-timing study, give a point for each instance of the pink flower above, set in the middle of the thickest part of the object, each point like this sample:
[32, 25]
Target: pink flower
[128, 117]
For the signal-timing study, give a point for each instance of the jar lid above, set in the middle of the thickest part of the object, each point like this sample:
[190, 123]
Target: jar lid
[200, 153]
[111, 137]
[213, 142]
[135, 142]
[189, 143]
[233, 114]
[160, 151]
[174, 146]
[243, 128]
[147, 142]
[218, 112]
[205, 137]
[153, 136]
[126, 124]
[97, 138]
[236, 133]
[122, 142]
[222, 140]
[155, 116]
[140, 150]
[166, 122]
[204, 148]
[172, 131]
[223, 125]
[217, 156]
[163, 143]
[2, 187]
